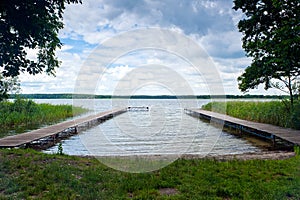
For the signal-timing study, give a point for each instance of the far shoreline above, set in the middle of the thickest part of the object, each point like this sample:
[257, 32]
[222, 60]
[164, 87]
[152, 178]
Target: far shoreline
[93, 96]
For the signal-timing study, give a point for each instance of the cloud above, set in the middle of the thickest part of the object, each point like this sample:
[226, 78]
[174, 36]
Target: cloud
[209, 23]
[32, 54]
[110, 17]
[223, 44]
[64, 80]
[65, 48]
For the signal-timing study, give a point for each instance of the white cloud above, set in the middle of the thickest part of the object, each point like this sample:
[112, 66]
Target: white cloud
[223, 44]
[63, 82]
[65, 48]
[210, 23]
[32, 54]
[98, 37]
[193, 17]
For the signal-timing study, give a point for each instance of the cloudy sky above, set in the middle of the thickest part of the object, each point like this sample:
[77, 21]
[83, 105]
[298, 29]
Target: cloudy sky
[91, 26]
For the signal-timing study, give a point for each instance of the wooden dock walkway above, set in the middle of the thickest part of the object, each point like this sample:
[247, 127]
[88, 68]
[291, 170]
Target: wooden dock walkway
[259, 129]
[54, 131]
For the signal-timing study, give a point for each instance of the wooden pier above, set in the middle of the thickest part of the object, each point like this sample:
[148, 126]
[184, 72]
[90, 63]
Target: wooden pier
[52, 133]
[261, 130]
[138, 108]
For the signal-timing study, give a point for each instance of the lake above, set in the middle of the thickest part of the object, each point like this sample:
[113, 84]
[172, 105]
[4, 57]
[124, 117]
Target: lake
[163, 130]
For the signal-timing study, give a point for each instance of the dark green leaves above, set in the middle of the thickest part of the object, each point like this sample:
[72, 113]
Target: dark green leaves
[30, 24]
[8, 85]
[271, 36]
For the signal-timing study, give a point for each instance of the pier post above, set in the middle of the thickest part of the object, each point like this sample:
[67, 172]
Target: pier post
[273, 140]
[241, 130]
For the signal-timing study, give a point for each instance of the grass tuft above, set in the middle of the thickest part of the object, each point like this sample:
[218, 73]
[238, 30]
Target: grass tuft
[297, 150]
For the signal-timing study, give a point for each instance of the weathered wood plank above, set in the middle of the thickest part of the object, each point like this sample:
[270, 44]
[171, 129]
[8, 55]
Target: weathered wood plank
[287, 134]
[26, 138]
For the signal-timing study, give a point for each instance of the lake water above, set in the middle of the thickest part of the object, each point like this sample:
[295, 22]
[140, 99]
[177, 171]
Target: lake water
[163, 130]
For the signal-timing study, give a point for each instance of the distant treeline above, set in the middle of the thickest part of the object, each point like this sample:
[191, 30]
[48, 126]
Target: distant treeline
[88, 96]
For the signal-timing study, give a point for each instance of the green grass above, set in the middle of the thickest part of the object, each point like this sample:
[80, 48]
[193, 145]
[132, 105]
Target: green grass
[21, 115]
[26, 174]
[271, 112]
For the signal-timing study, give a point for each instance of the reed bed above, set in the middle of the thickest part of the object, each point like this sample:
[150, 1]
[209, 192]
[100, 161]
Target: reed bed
[23, 114]
[271, 112]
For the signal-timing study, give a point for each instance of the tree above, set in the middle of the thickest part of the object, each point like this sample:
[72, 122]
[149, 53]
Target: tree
[30, 24]
[271, 36]
[8, 85]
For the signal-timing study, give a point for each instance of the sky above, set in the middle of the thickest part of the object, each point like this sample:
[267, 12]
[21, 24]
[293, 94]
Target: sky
[92, 28]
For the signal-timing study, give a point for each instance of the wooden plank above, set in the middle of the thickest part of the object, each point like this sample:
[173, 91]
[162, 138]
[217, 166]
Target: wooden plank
[26, 138]
[287, 134]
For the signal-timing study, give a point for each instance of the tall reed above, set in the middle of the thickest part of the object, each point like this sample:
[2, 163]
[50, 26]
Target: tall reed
[23, 114]
[271, 112]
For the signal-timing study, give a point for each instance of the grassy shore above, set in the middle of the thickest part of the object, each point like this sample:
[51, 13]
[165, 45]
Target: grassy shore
[272, 112]
[21, 115]
[26, 174]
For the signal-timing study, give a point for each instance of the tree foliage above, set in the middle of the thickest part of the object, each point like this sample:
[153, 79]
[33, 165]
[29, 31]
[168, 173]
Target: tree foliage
[8, 85]
[271, 36]
[30, 24]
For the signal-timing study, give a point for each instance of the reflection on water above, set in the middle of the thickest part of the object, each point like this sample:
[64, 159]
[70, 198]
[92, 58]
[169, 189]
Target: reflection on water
[165, 129]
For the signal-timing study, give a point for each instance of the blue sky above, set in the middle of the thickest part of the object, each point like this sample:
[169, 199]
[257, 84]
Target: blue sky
[212, 24]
